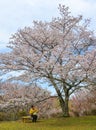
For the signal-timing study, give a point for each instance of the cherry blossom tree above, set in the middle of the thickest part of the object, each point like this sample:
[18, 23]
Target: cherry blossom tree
[61, 53]
[84, 103]
[15, 99]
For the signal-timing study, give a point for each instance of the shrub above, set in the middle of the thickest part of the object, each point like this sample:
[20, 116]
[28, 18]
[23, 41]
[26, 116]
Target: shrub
[2, 116]
[93, 112]
[22, 113]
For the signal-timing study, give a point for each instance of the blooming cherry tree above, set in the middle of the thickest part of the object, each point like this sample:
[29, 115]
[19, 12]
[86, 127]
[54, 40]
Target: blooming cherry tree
[61, 52]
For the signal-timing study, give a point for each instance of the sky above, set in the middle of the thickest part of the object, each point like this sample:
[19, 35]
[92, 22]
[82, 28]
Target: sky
[16, 14]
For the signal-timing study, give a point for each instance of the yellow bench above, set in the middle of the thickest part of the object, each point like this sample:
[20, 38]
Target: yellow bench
[26, 118]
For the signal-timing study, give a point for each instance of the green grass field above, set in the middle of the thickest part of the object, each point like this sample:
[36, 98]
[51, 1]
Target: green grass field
[72, 123]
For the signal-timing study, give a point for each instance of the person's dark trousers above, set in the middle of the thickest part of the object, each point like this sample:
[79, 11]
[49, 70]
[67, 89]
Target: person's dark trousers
[34, 118]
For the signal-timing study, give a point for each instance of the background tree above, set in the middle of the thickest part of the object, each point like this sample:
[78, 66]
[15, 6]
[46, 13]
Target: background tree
[61, 52]
[84, 103]
[16, 100]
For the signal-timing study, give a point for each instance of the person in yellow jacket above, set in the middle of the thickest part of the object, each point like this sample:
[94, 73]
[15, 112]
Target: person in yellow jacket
[33, 113]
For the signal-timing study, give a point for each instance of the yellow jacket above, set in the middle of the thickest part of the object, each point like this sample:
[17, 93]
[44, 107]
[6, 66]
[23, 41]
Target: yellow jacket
[33, 111]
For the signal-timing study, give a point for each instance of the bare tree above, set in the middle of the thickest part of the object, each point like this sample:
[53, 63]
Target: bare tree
[61, 52]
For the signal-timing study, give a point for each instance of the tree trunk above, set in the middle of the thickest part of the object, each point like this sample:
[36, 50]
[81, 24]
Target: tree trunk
[66, 113]
[64, 104]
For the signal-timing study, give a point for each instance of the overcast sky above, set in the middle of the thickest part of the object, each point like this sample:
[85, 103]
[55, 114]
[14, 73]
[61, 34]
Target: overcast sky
[16, 14]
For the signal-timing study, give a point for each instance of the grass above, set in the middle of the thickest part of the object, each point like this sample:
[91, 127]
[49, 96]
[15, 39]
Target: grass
[72, 123]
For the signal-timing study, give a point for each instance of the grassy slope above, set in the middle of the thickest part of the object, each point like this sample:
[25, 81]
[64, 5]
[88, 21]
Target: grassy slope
[81, 123]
